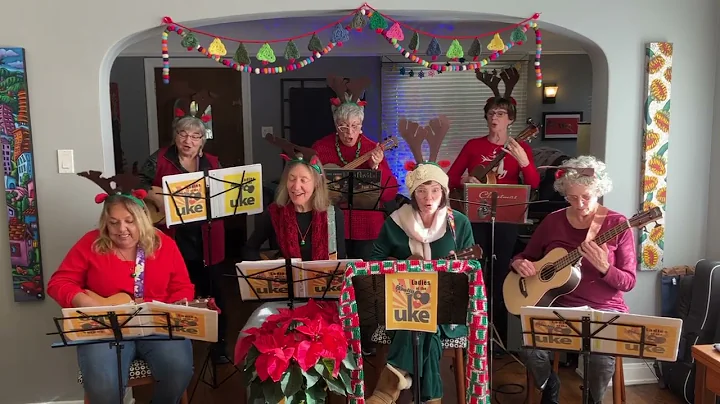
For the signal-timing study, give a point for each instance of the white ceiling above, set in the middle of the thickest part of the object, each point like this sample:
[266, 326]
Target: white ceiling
[365, 43]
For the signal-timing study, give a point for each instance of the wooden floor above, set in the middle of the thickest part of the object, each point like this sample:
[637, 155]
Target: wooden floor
[508, 374]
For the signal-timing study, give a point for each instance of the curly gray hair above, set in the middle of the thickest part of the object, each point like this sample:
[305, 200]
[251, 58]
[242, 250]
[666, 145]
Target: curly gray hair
[599, 183]
[346, 111]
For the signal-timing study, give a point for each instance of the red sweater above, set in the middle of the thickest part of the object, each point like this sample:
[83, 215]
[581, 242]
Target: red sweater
[481, 151]
[166, 276]
[365, 225]
[601, 292]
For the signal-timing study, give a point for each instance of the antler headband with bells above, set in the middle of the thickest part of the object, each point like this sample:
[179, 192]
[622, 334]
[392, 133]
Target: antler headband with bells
[122, 184]
[421, 170]
[296, 153]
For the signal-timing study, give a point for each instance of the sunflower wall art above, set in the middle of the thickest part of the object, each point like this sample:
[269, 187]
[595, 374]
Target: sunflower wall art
[656, 134]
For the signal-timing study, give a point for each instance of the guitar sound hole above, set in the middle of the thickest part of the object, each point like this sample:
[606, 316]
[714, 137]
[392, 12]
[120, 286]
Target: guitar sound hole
[546, 273]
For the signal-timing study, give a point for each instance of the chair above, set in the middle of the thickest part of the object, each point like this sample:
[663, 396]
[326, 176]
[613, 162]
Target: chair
[140, 375]
[618, 381]
[452, 348]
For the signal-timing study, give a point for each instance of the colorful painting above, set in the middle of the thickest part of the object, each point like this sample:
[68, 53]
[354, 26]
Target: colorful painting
[656, 134]
[19, 170]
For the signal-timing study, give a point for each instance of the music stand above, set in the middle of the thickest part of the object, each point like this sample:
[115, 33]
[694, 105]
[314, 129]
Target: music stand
[459, 283]
[585, 336]
[117, 324]
[207, 198]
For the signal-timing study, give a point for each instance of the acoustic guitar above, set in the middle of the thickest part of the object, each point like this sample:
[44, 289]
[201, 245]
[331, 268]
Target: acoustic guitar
[124, 298]
[471, 253]
[557, 273]
[387, 144]
[157, 213]
[485, 173]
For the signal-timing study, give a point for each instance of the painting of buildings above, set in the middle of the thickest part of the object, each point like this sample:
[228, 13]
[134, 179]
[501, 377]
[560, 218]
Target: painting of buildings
[19, 173]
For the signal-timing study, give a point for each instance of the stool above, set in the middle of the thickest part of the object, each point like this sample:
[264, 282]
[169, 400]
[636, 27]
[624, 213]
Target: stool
[140, 375]
[452, 348]
[618, 381]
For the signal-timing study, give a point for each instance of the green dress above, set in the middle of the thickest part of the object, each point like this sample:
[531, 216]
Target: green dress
[393, 242]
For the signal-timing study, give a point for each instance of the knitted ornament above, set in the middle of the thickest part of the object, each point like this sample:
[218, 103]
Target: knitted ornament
[414, 42]
[496, 44]
[189, 41]
[291, 52]
[121, 184]
[395, 32]
[518, 35]
[266, 54]
[315, 45]
[339, 35]
[217, 48]
[358, 22]
[378, 22]
[422, 170]
[241, 55]
[455, 51]
[433, 49]
[475, 49]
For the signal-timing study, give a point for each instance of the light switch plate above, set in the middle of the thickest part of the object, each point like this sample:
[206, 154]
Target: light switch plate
[267, 130]
[66, 162]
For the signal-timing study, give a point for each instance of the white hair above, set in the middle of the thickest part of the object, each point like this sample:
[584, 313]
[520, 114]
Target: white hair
[190, 124]
[347, 111]
[598, 184]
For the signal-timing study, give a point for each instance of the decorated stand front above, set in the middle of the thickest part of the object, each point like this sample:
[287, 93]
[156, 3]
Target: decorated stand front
[478, 390]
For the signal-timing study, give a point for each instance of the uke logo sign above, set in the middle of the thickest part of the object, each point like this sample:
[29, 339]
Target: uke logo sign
[411, 301]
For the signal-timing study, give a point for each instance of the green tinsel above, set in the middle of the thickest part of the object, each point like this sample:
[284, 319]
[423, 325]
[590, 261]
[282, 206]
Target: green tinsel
[518, 35]
[475, 48]
[414, 42]
[291, 52]
[315, 45]
[241, 55]
[358, 21]
[377, 21]
[189, 41]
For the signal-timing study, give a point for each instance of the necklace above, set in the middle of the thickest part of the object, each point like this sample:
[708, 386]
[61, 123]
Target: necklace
[125, 260]
[337, 148]
[303, 236]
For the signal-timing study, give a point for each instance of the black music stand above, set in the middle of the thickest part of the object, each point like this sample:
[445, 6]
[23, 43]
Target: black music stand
[587, 335]
[349, 196]
[209, 363]
[116, 323]
[452, 293]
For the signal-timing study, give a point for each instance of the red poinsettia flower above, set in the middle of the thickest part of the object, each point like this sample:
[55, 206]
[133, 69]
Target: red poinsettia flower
[276, 351]
[323, 340]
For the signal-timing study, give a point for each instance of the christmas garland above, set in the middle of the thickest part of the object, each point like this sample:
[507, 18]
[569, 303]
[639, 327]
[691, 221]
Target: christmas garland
[363, 16]
[478, 390]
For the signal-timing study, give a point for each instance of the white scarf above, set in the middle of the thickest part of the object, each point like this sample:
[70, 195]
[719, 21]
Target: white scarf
[420, 237]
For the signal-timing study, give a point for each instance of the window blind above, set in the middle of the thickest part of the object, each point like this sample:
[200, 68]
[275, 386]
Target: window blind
[458, 95]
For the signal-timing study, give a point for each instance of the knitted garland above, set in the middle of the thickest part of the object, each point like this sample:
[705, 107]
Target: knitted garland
[478, 390]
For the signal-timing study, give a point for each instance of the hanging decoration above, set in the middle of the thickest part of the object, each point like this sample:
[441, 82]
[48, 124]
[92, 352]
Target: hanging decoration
[392, 30]
[432, 73]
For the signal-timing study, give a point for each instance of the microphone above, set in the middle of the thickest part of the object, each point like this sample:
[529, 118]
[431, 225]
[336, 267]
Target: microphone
[493, 204]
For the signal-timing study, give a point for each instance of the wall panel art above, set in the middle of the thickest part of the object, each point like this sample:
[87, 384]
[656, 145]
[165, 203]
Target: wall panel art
[19, 172]
[656, 135]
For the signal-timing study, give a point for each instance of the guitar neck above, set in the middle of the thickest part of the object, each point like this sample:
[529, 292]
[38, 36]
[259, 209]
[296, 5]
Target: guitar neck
[574, 256]
[525, 134]
[358, 161]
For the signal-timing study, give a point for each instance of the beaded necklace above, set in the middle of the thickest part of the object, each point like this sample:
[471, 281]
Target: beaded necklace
[337, 148]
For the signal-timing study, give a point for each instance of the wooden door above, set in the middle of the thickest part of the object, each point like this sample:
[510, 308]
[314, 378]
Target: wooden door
[222, 88]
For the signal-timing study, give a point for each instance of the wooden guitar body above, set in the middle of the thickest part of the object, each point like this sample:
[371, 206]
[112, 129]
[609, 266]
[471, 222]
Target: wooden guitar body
[543, 288]
[157, 213]
[490, 178]
[114, 300]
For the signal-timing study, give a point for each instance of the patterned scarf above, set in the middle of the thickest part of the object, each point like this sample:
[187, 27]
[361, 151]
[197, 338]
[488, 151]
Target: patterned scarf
[284, 222]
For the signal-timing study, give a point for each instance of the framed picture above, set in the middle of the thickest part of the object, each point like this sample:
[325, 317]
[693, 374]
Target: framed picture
[561, 125]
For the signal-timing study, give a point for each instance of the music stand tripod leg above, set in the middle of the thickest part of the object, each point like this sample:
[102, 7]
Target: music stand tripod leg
[416, 366]
[115, 325]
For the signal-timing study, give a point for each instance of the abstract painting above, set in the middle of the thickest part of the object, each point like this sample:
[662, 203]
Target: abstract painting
[656, 135]
[19, 170]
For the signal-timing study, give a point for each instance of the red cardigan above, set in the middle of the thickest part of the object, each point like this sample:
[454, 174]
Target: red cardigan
[166, 276]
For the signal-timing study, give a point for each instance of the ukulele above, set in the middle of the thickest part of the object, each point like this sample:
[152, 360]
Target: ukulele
[157, 213]
[387, 144]
[124, 298]
[557, 273]
[485, 174]
[471, 253]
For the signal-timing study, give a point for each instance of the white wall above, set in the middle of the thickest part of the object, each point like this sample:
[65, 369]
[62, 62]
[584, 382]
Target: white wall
[69, 105]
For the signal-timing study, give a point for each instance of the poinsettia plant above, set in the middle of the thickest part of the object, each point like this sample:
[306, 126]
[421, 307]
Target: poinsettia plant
[298, 355]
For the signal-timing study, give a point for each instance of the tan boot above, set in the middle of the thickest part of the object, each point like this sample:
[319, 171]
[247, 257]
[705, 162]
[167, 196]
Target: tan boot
[391, 382]
[434, 401]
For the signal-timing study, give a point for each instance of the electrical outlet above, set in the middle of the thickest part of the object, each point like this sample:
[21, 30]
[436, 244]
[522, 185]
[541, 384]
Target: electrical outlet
[267, 130]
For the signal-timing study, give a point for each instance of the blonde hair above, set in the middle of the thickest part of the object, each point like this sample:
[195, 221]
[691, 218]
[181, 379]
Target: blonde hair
[320, 197]
[148, 238]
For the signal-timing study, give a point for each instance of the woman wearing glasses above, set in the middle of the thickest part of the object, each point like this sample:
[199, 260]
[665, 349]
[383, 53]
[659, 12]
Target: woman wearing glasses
[201, 256]
[500, 114]
[344, 146]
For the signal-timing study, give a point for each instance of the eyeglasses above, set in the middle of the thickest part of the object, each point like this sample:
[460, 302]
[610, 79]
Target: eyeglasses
[346, 128]
[499, 114]
[193, 136]
[576, 198]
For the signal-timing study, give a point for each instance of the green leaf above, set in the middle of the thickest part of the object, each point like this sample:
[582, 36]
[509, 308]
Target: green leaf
[272, 392]
[349, 361]
[335, 385]
[666, 108]
[316, 394]
[252, 355]
[346, 379]
[249, 376]
[291, 381]
[297, 398]
[256, 391]
[661, 244]
[663, 149]
[649, 197]
[648, 119]
[649, 52]
[643, 237]
[311, 377]
[329, 365]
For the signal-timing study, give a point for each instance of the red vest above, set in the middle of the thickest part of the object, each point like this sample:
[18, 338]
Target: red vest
[166, 167]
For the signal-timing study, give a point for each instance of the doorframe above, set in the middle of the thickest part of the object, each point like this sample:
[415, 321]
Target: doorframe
[151, 64]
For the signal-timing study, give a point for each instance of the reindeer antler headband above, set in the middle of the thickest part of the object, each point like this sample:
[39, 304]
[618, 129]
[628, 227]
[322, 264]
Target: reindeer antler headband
[295, 153]
[347, 90]
[122, 184]
[422, 170]
[510, 76]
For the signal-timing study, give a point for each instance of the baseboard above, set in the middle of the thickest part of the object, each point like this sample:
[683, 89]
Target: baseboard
[635, 373]
[129, 399]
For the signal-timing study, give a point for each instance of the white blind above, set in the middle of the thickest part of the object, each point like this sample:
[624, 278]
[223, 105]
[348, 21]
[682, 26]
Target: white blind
[458, 95]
